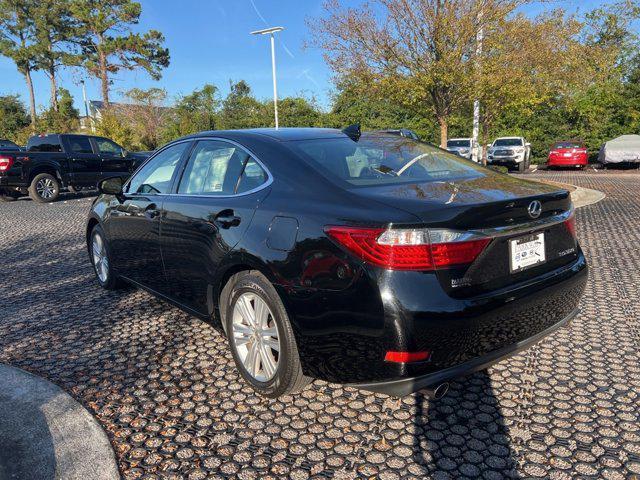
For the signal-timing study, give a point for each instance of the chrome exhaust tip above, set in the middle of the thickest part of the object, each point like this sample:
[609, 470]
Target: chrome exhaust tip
[440, 391]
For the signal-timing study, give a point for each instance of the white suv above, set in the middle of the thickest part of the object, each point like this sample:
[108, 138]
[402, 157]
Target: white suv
[460, 146]
[513, 152]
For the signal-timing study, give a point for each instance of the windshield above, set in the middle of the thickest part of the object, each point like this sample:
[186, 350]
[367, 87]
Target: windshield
[459, 143]
[384, 160]
[567, 145]
[507, 142]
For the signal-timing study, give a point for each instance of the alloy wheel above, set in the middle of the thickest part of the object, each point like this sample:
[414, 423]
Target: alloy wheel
[100, 258]
[45, 188]
[255, 336]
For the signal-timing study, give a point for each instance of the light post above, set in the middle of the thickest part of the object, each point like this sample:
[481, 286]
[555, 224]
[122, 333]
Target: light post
[270, 32]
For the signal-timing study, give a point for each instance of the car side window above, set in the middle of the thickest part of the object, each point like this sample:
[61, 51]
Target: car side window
[155, 177]
[107, 146]
[252, 177]
[80, 145]
[216, 167]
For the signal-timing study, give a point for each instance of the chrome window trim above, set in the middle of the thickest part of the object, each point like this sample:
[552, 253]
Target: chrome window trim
[195, 195]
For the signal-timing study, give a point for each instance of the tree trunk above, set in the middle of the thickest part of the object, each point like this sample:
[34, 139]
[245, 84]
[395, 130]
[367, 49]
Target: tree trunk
[104, 79]
[32, 98]
[54, 89]
[444, 131]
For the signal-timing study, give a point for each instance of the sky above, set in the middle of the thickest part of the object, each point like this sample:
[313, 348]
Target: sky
[210, 42]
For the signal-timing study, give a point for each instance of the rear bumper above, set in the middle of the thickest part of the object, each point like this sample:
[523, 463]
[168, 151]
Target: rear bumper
[567, 162]
[406, 386]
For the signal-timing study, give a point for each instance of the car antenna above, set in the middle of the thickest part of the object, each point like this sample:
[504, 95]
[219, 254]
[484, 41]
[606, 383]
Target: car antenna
[353, 132]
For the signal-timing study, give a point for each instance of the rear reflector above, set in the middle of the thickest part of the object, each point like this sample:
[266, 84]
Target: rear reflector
[407, 357]
[410, 248]
[5, 163]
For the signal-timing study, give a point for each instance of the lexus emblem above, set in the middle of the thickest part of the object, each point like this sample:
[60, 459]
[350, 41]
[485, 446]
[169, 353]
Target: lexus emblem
[535, 209]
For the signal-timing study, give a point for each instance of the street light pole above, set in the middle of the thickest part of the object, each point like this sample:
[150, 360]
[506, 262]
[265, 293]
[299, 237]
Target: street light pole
[270, 32]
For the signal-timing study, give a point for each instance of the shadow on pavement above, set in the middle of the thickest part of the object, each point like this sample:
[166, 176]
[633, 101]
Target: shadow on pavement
[463, 435]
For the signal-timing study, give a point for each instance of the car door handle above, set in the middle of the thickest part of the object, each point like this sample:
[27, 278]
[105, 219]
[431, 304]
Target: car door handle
[227, 219]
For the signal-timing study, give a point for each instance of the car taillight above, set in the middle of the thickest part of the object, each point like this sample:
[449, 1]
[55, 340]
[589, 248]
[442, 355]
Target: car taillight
[410, 248]
[570, 223]
[5, 163]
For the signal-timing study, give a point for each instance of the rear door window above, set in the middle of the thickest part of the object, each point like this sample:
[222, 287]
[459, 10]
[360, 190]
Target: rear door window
[80, 145]
[216, 167]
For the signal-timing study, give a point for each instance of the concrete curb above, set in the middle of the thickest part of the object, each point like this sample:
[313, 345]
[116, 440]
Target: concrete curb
[46, 434]
[582, 197]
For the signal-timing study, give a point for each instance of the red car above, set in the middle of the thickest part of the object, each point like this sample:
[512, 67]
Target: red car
[568, 154]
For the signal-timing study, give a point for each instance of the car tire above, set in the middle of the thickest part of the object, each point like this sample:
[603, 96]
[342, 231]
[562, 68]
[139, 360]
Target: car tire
[44, 188]
[522, 166]
[263, 346]
[100, 256]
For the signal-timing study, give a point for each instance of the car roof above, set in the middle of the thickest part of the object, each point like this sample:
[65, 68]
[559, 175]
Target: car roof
[281, 134]
[509, 138]
[460, 138]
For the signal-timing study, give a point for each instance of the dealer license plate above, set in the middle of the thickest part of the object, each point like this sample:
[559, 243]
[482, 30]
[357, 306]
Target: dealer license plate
[526, 252]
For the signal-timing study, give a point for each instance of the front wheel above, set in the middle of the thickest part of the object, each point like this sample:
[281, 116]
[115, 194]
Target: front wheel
[44, 188]
[261, 338]
[522, 166]
[100, 255]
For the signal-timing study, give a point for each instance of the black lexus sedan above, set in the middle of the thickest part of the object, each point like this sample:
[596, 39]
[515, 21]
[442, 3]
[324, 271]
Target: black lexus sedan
[369, 259]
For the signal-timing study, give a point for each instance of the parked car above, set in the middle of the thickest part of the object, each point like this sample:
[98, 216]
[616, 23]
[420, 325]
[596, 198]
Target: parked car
[570, 153]
[9, 146]
[368, 259]
[460, 146]
[54, 162]
[512, 152]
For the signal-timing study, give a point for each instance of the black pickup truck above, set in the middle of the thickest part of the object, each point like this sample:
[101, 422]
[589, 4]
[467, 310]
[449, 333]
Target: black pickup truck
[54, 162]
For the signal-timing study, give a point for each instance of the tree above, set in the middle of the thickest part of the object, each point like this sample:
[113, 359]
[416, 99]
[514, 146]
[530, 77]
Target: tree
[17, 37]
[54, 31]
[63, 119]
[112, 126]
[194, 113]
[14, 117]
[108, 45]
[146, 114]
[241, 110]
[298, 112]
[417, 52]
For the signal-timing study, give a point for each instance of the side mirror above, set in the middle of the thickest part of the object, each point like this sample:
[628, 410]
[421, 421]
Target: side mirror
[111, 186]
[527, 144]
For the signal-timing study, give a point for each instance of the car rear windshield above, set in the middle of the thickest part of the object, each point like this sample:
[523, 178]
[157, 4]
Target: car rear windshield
[567, 145]
[384, 160]
[508, 142]
[458, 143]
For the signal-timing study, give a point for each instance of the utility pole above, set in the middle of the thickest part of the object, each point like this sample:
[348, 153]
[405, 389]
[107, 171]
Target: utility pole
[476, 147]
[270, 32]
[86, 107]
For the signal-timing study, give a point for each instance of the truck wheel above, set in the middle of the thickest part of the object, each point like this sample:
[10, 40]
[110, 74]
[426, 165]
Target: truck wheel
[44, 188]
[522, 166]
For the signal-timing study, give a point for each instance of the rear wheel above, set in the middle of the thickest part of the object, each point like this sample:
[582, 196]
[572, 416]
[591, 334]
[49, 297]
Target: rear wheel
[261, 338]
[44, 188]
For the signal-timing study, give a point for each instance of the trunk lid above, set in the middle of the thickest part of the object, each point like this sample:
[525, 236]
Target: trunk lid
[496, 205]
